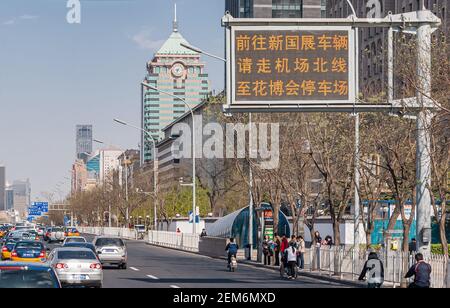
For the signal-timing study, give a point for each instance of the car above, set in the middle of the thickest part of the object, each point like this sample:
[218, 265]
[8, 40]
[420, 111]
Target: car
[77, 267]
[111, 250]
[72, 232]
[33, 235]
[80, 245]
[29, 251]
[17, 235]
[56, 234]
[74, 239]
[3, 231]
[41, 231]
[7, 248]
[27, 276]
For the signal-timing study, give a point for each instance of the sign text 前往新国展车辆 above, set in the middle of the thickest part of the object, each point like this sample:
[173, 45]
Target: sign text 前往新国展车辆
[292, 65]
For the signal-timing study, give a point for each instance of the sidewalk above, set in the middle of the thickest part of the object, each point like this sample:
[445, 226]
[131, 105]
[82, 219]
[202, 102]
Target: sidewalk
[309, 274]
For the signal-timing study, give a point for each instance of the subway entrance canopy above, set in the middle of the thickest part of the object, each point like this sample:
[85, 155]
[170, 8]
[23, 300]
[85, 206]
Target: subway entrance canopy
[305, 65]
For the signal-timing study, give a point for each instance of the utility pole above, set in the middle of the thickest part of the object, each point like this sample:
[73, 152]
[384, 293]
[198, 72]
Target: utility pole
[250, 207]
[423, 155]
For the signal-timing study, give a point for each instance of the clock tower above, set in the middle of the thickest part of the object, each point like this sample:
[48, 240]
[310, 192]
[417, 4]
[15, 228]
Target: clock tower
[176, 70]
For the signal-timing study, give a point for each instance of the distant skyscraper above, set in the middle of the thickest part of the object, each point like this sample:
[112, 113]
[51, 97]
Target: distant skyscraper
[22, 196]
[176, 70]
[9, 198]
[83, 141]
[3, 188]
[276, 8]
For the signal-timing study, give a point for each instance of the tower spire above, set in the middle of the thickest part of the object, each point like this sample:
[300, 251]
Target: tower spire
[175, 22]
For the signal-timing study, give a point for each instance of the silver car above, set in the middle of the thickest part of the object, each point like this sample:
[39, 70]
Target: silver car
[111, 250]
[77, 267]
[74, 239]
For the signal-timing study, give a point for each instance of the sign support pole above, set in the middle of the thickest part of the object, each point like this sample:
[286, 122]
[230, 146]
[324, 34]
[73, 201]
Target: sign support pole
[423, 155]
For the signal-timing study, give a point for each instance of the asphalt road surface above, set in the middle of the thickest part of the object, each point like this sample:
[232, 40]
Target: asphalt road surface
[155, 267]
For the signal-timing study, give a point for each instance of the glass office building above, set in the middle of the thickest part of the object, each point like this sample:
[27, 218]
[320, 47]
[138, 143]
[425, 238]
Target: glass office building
[83, 141]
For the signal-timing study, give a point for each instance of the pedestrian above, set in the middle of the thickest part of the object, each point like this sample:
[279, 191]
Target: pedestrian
[412, 246]
[276, 250]
[178, 230]
[203, 234]
[266, 250]
[301, 249]
[293, 240]
[373, 270]
[328, 240]
[317, 244]
[421, 272]
[284, 246]
[291, 259]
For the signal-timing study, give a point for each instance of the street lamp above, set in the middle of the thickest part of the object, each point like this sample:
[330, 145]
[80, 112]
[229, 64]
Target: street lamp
[194, 207]
[155, 164]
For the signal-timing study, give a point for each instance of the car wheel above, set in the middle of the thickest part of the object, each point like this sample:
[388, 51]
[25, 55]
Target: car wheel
[123, 266]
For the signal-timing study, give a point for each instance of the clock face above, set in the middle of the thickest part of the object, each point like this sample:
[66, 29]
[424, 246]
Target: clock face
[178, 70]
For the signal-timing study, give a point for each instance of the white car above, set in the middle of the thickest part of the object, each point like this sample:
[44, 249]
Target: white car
[74, 239]
[77, 267]
[56, 234]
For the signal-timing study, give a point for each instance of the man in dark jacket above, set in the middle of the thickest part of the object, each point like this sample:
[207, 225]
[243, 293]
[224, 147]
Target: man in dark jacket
[374, 271]
[421, 272]
[232, 249]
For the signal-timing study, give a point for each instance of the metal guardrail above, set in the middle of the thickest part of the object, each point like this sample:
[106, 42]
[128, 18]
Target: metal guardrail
[348, 263]
[181, 241]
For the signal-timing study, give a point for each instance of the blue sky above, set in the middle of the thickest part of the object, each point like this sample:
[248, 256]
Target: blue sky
[54, 75]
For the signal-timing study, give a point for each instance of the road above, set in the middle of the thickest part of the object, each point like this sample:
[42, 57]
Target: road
[156, 267]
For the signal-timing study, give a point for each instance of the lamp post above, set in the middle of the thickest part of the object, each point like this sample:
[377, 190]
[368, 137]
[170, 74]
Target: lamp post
[155, 165]
[194, 203]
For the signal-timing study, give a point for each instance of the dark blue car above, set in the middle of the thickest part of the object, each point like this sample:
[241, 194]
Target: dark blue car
[27, 276]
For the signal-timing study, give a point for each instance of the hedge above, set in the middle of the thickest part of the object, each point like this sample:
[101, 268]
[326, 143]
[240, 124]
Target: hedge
[437, 249]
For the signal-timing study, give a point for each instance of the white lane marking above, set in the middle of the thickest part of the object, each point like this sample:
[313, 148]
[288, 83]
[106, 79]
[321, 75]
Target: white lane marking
[174, 286]
[152, 277]
[134, 269]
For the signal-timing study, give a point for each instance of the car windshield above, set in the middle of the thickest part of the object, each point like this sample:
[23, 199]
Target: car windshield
[36, 245]
[75, 240]
[81, 245]
[26, 279]
[77, 255]
[109, 242]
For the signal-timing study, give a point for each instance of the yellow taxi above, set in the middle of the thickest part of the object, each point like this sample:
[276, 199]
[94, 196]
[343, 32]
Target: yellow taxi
[72, 232]
[6, 250]
[29, 251]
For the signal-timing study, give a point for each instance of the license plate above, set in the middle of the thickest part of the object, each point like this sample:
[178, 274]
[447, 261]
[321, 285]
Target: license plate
[110, 250]
[28, 255]
[80, 277]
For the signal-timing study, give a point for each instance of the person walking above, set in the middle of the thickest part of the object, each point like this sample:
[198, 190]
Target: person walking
[373, 270]
[203, 234]
[421, 272]
[266, 250]
[412, 247]
[276, 250]
[318, 245]
[284, 246]
[291, 259]
[301, 249]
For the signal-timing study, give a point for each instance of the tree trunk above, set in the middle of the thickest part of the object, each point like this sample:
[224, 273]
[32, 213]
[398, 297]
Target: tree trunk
[337, 232]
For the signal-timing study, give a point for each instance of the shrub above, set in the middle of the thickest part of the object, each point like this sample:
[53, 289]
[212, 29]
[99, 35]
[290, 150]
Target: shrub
[437, 249]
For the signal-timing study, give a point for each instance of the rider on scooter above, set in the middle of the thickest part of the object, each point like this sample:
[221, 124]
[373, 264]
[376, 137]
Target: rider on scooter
[232, 249]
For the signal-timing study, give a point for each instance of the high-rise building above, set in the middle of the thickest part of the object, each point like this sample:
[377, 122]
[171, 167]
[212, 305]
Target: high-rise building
[276, 8]
[79, 176]
[176, 70]
[109, 162]
[83, 141]
[9, 198]
[372, 41]
[3, 188]
[22, 196]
